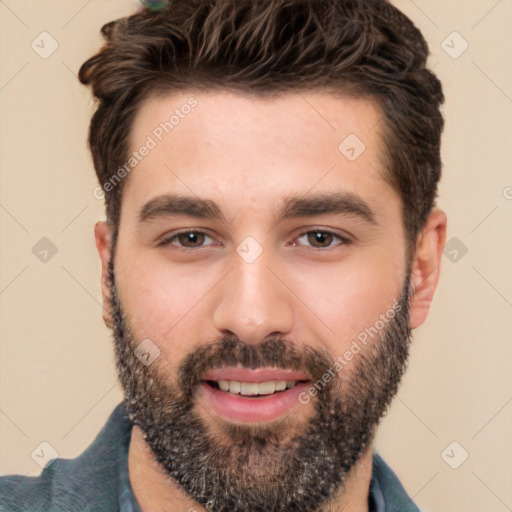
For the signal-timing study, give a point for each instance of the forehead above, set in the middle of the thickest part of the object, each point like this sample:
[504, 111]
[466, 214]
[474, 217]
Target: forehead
[221, 143]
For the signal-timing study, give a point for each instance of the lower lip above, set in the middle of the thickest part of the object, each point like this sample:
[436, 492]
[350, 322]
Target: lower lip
[243, 409]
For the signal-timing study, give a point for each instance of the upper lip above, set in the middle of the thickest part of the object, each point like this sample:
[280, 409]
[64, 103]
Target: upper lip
[254, 375]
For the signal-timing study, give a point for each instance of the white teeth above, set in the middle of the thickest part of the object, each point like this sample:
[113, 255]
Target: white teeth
[234, 386]
[255, 388]
[223, 385]
[280, 385]
[267, 388]
[249, 388]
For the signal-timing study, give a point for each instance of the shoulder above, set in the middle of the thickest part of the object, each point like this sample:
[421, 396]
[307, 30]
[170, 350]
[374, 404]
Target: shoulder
[387, 490]
[87, 482]
[19, 493]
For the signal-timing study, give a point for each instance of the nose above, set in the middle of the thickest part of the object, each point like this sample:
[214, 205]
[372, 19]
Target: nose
[253, 302]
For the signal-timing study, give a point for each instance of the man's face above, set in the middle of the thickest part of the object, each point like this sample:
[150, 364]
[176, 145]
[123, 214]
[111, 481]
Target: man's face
[254, 250]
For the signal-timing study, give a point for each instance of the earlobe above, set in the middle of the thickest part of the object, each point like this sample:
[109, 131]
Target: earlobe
[426, 266]
[103, 245]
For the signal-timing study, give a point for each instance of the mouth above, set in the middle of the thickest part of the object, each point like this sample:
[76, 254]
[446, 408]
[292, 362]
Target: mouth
[253, 389]
[243, 395]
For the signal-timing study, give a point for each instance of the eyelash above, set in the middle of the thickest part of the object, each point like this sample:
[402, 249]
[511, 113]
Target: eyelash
[342, 239]
[168, 240]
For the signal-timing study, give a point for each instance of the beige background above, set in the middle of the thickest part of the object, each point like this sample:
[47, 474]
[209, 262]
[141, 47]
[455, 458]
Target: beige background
[58, 382]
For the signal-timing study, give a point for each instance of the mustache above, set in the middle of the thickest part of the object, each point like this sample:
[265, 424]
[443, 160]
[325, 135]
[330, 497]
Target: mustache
[273, 352]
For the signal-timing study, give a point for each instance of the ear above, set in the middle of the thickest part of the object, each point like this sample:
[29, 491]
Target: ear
[426, 266]
[103, 245]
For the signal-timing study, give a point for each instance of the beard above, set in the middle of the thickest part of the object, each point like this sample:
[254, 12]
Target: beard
[278, 467]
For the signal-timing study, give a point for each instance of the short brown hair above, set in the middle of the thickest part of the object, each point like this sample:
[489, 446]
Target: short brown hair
[359, 48]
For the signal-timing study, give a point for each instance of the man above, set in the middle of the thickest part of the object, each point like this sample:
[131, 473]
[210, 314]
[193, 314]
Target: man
[269, 170]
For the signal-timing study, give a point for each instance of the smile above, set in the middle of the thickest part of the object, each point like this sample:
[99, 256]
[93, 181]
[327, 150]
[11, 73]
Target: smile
[244, 395]
[253, 389]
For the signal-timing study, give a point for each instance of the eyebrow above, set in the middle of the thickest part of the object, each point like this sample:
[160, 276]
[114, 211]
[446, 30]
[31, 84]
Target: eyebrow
[169, 205]
[328, 203]
[300, 206]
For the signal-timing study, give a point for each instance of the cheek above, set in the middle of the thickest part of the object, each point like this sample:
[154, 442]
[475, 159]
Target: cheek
[348, 298]
[165, 304]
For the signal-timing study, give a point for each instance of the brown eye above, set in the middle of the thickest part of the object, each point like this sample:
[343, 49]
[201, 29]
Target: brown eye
[320, 238]
[188, 240]
[191, 239]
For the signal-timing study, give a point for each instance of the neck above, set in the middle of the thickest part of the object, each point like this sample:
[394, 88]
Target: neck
[156, 492]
